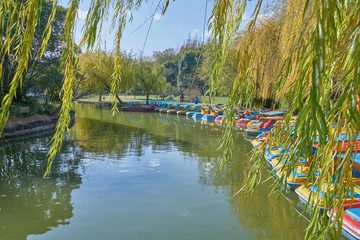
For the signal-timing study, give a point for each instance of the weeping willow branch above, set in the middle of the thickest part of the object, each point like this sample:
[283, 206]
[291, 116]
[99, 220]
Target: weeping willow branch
[22, 54]
[70, 63]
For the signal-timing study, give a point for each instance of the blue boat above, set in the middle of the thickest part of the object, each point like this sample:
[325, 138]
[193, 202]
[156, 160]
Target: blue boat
[208, 117]
[197, 115]
[189, 114]
[274, 153]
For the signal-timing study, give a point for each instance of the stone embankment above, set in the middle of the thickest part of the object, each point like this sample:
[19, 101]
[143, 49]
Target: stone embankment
[31, 126]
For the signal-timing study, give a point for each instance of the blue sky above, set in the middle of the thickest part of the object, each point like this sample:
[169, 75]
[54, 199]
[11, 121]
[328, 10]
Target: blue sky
[182, 19]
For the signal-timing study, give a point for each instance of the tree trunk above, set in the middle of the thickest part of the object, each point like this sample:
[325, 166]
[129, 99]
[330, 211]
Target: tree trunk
[117, 97]
[147, 99]
[100, 97]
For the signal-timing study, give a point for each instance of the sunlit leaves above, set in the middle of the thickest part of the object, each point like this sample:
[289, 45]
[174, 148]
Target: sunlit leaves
[314, 65]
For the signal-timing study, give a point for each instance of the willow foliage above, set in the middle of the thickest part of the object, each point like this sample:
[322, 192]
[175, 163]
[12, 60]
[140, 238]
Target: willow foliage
[308, 51]
[313, 48]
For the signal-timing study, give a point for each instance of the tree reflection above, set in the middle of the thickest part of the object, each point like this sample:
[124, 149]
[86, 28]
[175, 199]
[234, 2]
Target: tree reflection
[30, 204]
[266, 217]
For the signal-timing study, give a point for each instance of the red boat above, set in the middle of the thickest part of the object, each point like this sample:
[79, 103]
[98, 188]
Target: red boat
[242, 123]
[132, 108]
[351, 219]
[345, 145]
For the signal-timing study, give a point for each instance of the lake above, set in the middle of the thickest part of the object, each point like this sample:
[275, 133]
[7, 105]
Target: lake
[138, 176]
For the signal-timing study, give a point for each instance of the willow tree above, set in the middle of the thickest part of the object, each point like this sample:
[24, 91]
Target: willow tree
[322, 56]
[96, 71]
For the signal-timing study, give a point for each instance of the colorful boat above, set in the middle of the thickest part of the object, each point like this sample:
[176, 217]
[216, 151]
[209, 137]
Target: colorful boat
[274, 153]
[278, 162]
[218, 120]
[196, 110]
[160, 106]
[169, 106]
[199, 115]
[265, 125]
[187, 109]
[174, 111]
[136, 108]
[297, 177]
[351, 219]
[242, 123]
[311, 192]
[212, 116]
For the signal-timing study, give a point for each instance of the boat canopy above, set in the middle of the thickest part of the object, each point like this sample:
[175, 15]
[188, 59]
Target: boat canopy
[273, 113]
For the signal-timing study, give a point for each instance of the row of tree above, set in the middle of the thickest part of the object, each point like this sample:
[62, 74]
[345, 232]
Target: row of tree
[95, 75]
[169, 73]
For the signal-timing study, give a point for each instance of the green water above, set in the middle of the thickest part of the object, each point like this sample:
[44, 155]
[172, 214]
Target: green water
[138, 176]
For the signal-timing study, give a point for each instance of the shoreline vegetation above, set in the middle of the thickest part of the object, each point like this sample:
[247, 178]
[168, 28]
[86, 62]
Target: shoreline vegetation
[126, 99]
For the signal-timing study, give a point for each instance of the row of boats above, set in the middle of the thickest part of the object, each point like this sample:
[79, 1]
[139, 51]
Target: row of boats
[259, 123]
[309, 193]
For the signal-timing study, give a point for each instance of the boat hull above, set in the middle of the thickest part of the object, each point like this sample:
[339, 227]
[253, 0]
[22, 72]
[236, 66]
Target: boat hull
[138, 109]
[351, 226]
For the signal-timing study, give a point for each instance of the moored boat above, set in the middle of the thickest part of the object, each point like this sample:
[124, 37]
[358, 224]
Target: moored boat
[310, 192]
[136, 108]
[351, 219]
[174, 111]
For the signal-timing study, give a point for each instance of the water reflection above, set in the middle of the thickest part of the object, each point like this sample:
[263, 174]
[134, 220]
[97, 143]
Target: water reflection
[30, 204]
[265, 217]
[143, 171]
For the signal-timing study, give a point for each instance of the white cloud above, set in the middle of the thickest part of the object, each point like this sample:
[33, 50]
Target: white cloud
[158, 16]
[82, 14]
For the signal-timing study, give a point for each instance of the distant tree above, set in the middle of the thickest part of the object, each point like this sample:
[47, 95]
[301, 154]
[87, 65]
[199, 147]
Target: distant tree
[171, 90]
[96, 72]
[171, 72]
[190, 61]
[169, 58]
[227, 74]
[150, 77]
[167, 55]
[47, 79]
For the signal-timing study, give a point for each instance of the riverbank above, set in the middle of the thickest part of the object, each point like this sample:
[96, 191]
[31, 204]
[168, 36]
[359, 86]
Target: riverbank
[18, 128]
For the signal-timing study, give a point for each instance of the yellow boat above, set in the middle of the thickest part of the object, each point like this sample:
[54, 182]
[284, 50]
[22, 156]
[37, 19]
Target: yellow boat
[297, 177]
[164, 110]
[215, 113]
[191, 109]
[311, 192]
[205, 111]
[176, 109]
[278, 162]
[256, 143]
